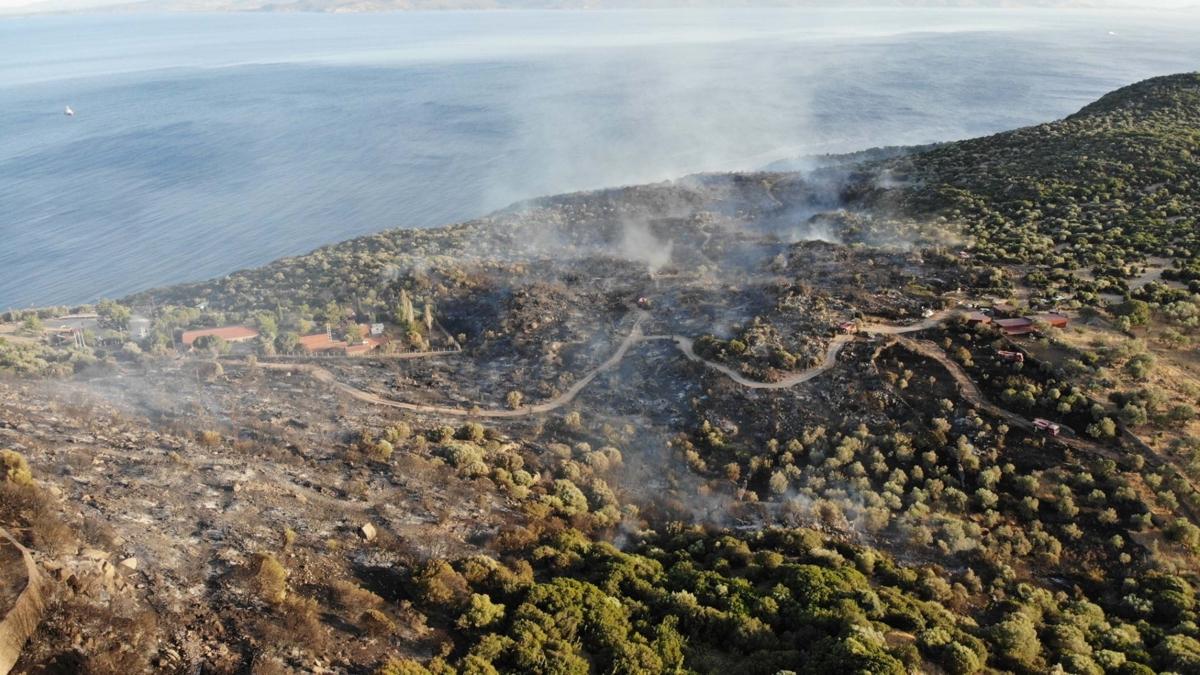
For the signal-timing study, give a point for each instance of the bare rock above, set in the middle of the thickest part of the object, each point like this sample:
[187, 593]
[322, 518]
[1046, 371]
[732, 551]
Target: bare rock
[367, 532]
[94, 554]
[129, 563]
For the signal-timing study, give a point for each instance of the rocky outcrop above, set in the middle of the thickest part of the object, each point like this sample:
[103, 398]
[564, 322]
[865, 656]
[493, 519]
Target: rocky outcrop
[22, 619]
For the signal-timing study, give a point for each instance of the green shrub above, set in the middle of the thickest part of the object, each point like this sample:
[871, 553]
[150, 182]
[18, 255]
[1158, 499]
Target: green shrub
[439, 585]
[481, 612]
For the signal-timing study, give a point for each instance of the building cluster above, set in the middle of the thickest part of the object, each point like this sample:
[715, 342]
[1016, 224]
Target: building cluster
[324, 343]
[1021, 325]
[79, 330]
[318, 343]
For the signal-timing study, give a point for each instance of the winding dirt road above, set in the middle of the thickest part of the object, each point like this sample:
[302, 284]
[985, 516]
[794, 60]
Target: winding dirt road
[967, 387]
[322, 375]
[970, 391]
[974, 395]
[685, 345]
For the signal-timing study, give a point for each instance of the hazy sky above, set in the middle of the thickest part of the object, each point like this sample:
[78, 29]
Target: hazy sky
[59, 5]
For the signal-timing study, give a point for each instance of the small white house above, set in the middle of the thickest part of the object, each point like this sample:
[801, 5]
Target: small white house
[376, 329]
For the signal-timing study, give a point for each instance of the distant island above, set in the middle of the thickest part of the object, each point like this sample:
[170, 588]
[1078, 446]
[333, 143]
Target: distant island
[350, 6]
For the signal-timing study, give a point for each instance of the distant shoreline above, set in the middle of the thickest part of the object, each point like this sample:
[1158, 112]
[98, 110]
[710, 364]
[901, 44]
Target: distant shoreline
[148, 7]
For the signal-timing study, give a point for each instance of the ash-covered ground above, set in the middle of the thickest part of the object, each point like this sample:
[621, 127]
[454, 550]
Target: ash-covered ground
[166, 477]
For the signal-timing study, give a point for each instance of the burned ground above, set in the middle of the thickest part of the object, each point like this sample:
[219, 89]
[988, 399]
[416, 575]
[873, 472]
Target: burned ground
[212, 477]
[711, 424]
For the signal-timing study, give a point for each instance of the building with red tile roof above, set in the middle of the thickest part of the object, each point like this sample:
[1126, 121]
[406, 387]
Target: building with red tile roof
[320, 342]
[978, 318]
[324, 342]
[366, 347]
[226, 333]
[1025, 325]
[1055, 320]
[1019, 326]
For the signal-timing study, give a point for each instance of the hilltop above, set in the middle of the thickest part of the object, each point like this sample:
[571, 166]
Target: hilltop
[1108, 186]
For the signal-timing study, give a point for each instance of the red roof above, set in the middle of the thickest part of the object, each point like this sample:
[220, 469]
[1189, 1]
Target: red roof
[321, 342]
[1023, 325]
[369, 345]
[227, 333]
[1019, 326]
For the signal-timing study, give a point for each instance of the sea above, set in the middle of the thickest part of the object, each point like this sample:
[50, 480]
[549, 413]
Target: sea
[206, 143]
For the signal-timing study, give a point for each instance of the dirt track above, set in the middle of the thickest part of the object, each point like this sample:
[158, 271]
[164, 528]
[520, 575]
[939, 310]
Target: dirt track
[685, 345]
[322, 375]
[971, 392]
[966, 386]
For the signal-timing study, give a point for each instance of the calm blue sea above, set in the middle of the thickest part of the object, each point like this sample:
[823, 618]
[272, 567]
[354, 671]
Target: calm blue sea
[207, 143]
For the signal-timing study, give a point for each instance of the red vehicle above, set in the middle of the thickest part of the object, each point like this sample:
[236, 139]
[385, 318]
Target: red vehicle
[848, 327]
[1047, 427]
[1011, 357]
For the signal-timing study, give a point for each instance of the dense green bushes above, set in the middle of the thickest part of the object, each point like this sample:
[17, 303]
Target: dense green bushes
[778, 600]
[36, 360]
[1104, 188]
[693, 602]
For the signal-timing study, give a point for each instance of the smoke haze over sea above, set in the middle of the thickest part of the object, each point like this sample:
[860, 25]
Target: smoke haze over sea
[207, 143]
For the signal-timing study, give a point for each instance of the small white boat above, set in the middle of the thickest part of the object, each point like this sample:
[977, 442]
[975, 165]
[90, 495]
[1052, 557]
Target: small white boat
[68, 112]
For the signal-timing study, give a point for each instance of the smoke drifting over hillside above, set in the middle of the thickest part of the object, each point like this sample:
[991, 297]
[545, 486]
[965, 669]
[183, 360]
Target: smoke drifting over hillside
[185, 162]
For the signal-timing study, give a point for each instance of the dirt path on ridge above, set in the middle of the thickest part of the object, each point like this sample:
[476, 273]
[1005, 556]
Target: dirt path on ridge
[685, 345]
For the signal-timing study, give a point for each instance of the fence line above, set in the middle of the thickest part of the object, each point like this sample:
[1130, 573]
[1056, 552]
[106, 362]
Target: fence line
[363, 357]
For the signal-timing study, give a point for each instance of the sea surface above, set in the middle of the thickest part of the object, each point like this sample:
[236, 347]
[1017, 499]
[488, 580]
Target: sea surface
[205, 143]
